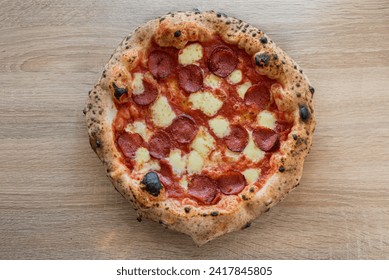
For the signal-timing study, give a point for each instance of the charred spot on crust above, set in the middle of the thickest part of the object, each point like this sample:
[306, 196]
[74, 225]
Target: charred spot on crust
[247, 225]
[118, 92]
[262, 59]
[177, 33]
[152, 183]
[187, 209]
[281, 169]
[295, 136]
[275, 56]
[263, 40]
[244, 197]
[98, 144]
[311, 89]
[304, 113]
[214, 213]
[197, 11]
[252, 189]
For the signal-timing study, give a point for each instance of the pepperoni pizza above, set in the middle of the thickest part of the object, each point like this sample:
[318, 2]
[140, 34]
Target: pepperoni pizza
[202, 122]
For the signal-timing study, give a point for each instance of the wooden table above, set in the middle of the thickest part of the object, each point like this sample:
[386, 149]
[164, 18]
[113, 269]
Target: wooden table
[55, 201]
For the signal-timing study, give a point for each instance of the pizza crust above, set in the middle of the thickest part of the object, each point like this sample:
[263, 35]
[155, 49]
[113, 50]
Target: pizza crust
[204, 223]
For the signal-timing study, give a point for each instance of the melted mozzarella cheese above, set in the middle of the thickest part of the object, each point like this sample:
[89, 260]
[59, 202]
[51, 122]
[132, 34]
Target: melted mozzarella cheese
[266, 119]
[190, 54]
[251, 175]
[137, 84]
[206, 102]
[140, 128]
[203, 142]
[177, 162]
[235, 77]
[252, 152]
[183, 183]
[142, 155]
[161, 112]
[242, 89]
[195, 162]
[212, 81]
[220, 126]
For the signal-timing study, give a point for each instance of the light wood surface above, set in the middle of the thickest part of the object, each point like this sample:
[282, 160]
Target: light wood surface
[56, 202]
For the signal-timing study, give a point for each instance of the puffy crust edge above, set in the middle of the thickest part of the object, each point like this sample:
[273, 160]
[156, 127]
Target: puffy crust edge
[206, 223]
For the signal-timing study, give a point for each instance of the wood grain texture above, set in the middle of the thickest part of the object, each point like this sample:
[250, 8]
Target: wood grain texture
[55, 201]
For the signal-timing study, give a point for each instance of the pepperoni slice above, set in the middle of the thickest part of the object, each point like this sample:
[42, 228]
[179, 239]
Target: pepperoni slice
[190, 78]
[266, 139]
[222, 61]
[203, 188]
[238, 138]
[183, 129]
[161, 64]
[231, 182]
[159, 144]
[129, 143]
[257, 95]
[149, 94]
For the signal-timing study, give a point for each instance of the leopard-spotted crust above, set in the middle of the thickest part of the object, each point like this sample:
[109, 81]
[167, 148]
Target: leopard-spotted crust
[204, 223]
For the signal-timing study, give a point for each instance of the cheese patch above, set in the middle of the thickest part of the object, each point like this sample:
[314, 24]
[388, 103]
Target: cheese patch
[242, 89]
[251, 175]
[252, 152]
[235, 77]
[206, 102]
[266, 119]
[190, 54]
[177, 162]
[203, 142]
[137, 84]
[142, 155]
[220, 126]
[212, 81]
[140, 128]
[195, 162]
[161, 112]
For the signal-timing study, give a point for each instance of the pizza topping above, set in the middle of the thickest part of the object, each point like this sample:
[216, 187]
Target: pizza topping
[266, 119]
[222, 61]
[129, 143]
[137, 84]
[152, 183]
[142, 155]
[212, 81]
[162, 113]
[161, 64]
[177, 162]
[304, 113]
[266, 139]
[251, 175]
[204, 143]
[203, 189]
[238, 138]
[190, 78]
[235, 77]
[231, 182]
[252, 152]
[150, 93]
[262, 59]
[220, 126]
[206, 102]
[195, 162]
[118, 92]
[242, 89]
[190, 54]
[159, 145]
[183, 129]
[258, 96]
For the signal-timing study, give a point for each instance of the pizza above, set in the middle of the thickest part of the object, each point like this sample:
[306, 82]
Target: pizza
[201, 122]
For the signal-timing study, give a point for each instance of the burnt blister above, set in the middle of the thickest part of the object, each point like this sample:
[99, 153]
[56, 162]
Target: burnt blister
[263, 40]
[118, 92]
[311, 89]
[262, 59]
[152, 183]
[177, 33]
[304, 113]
